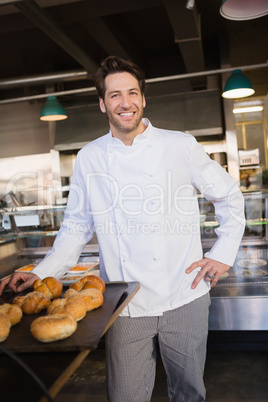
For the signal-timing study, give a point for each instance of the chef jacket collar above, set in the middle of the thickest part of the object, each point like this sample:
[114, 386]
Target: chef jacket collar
[140, 137]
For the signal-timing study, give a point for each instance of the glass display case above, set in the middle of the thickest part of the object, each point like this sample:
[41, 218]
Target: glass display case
[240, 298]
[27, 233]
[256, 214]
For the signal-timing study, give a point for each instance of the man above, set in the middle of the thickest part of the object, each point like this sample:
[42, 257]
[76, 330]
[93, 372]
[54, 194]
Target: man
[136, 187]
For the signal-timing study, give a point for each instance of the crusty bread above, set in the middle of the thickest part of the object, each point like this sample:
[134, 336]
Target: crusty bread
[32, 302]
[76, 286]
[99, 283]
[50, 286]
[89, 285]
[12, 311]
[70, 293]
[4, 327]
[53, 327]
[74, 306]
[93, 298]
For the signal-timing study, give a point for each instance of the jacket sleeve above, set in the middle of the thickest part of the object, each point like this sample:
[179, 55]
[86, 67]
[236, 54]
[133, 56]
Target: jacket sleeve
[76, 230]
[222, 190]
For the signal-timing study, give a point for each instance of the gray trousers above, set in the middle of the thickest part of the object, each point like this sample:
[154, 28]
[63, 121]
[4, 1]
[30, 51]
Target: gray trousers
[131, 352]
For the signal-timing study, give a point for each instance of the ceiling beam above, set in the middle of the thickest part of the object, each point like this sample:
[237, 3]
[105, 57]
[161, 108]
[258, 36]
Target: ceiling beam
[104, 37]
[187, 34]
[112, 40]
[48, 25]
[75, 8]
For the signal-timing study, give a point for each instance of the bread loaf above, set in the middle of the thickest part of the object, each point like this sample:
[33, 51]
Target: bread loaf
[50, 286]
[74, 306]
[53, 327]
[93, 298]
[70, 293]
[4, 327]
[12, 311]
[95, 281]
[89, 285]
[32, 302]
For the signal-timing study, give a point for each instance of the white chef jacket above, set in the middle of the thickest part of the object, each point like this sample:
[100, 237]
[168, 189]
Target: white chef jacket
[141, 201]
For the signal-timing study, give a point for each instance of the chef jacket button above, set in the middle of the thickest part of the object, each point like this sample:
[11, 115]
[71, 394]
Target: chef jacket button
[151, 174]
[155, 258]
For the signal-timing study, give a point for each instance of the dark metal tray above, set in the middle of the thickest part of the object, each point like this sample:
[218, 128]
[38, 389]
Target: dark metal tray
[87, 336]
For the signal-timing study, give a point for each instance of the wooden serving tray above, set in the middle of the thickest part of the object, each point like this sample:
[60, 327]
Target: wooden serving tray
[87, 336]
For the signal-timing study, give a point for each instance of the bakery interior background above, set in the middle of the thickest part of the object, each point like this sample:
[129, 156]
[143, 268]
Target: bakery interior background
[54, 46]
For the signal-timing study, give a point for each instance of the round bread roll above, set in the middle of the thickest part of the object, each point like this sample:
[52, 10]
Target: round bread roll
[74, 306]
[12, 311]
[89, 285]
[50, 286]
[32, 302]
[99, 283]
[70, 293]
[53, 327]
[76, 285]
[93, 298]
[4, 327]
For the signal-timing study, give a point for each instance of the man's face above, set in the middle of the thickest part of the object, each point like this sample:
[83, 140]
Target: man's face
[123, 104]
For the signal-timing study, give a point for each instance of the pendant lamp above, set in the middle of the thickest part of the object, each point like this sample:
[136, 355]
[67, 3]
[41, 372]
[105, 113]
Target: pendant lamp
[237, 86]
[240, 10]
[53, 110]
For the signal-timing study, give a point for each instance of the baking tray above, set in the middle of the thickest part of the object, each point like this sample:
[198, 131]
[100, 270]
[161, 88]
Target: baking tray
[87, 336]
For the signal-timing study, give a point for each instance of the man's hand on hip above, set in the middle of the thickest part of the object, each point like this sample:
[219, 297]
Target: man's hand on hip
[211, 271]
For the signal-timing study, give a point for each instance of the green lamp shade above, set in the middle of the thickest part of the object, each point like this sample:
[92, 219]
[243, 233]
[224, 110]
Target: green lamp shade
[53, 110]
[237, 86]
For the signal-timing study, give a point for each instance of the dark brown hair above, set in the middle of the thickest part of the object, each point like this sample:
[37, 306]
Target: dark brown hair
[115, 64]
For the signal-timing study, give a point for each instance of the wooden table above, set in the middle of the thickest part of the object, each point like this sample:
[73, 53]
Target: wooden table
[55, 362]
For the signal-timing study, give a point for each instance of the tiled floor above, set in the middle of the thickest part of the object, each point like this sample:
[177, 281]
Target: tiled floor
[230, 376]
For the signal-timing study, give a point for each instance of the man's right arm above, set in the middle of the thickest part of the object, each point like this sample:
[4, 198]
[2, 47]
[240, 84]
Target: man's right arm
[18, 281]
[76, 230]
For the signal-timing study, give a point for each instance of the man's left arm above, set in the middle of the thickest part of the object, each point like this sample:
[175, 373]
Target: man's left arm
[222, 190]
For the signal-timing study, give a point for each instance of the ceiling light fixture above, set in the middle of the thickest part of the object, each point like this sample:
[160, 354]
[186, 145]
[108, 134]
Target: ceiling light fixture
[190, 4]
[53, 110]
[240, 10]
[237, 86]
[247, 109]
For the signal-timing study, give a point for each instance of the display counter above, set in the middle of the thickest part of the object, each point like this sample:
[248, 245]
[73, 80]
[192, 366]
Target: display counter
[240, 298]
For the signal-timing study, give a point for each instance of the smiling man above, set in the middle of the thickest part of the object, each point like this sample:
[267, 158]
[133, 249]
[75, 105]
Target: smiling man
[136, 187]
[123, 104]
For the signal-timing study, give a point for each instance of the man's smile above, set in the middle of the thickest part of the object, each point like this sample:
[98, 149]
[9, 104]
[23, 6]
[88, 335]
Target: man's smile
[126, 114]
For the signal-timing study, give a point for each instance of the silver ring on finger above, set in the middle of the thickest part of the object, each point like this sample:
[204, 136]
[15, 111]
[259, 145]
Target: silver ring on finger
[210, 276]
